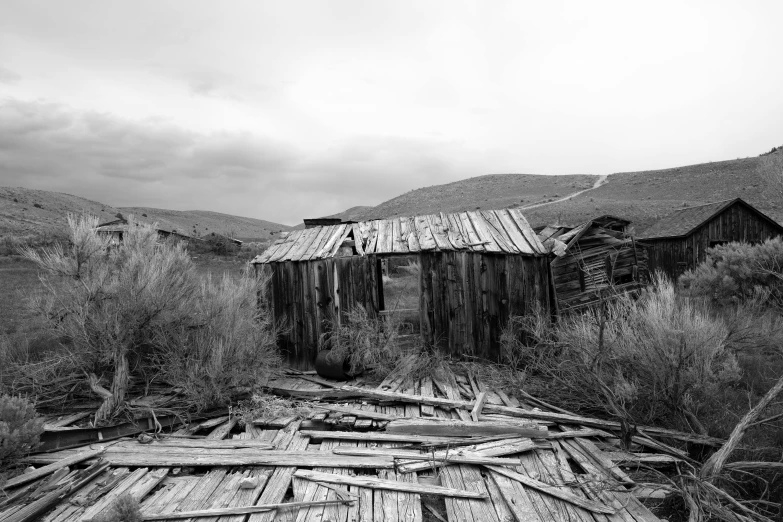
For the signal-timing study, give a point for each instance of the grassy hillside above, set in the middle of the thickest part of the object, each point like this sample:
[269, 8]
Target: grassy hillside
[492, 191]
[203, 222]
[29, 214]
[642, 197]
[645, 197]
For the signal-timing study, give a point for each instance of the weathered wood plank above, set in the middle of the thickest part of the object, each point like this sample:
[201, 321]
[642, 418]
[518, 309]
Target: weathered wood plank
[554, 491]
[392, 485]
[65, 462]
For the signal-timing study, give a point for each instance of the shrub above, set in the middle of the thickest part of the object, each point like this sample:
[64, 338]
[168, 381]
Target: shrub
[366, 342]
[640, 359]
[140, 310]
[37, 205]
[231, 341]
[111, 301]
[124, 509]
[263, 407]
[739, 272]
[20, 429]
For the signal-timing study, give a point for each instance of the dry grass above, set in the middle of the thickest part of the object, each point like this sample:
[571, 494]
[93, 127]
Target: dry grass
[263, 408]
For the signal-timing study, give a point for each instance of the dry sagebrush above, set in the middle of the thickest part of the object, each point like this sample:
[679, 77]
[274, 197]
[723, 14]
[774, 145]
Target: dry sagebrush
[139, 312]
[643, 359]
[230, 342]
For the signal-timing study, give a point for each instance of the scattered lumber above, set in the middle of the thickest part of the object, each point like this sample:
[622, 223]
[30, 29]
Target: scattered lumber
[140, 455]
[376, 436]
[453, 457]
[51, 468]
[454, 428]
[561, 418]
[366, 481]
[33, 510]
[357, 412]
[246, 510]
[488, 449]
[216, 444]
[561, 493]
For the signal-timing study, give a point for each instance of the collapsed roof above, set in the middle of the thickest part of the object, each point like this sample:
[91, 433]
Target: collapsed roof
[486, 231]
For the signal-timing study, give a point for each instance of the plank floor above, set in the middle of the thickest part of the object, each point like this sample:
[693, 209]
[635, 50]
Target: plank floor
[582, 467]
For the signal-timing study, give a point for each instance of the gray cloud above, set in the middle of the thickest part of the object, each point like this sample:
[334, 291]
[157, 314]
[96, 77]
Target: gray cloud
[8, 76]
[153, 163]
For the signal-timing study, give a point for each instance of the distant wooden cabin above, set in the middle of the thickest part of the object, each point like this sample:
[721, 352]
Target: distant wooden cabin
[116, 230]
[591, 258]
[680, 241]
[477, 269]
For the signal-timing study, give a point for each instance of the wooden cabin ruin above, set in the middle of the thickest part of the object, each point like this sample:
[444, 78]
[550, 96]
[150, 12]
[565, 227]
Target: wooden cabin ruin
[116, 230]
[476, 270]
[595, 260]
[679, 241]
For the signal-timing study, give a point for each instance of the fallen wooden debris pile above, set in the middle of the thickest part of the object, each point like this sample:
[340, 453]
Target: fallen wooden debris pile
[369, 455]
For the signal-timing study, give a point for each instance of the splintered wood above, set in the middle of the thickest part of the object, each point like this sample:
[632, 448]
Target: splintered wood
[447, 448]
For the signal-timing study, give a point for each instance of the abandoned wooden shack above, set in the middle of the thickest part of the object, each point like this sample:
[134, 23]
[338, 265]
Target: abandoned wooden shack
[477, 269]
[679, 241]
[117, 228]
[591, 259]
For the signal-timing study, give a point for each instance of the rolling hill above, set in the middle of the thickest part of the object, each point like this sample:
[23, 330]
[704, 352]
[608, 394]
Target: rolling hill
[204, 222]
[28, 213]
[643, 197]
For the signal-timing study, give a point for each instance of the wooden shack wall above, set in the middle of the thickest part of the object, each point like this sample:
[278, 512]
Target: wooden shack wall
[586, 263]
[673, 256]
[466, 298]
[307, 296]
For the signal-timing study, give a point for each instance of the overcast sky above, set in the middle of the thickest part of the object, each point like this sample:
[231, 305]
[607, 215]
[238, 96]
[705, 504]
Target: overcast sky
[288, 109]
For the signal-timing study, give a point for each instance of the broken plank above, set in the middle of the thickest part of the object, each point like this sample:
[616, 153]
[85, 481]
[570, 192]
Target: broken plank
[476, 411]
[51, 468]
[455, 428]
[554, 491]
[489, 449]
[516, 498]
[245, 510]
[461, 405]
[168, 457]
[365, 414]
[212, 444]
[427, 391]
[392, 485]
[224, 429]
[374, 436]
[66, 420]
[469, 478]
[454, 456]
[278, 482]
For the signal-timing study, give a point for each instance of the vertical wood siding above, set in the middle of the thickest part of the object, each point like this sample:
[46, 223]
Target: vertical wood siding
[307, 296]
[673, 256]
[467, 298]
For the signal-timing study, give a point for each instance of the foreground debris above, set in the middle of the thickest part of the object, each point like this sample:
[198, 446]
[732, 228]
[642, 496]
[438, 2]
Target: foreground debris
[370, 454]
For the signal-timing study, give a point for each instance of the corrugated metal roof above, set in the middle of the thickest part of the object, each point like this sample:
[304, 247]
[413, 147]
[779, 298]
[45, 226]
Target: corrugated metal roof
[492, 231]
[684, 221]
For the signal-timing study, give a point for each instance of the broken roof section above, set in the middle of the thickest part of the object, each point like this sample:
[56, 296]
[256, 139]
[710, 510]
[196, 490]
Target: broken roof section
[487, 231]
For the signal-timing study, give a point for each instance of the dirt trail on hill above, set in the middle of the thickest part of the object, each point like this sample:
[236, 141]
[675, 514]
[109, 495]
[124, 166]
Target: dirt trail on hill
[601, 181]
